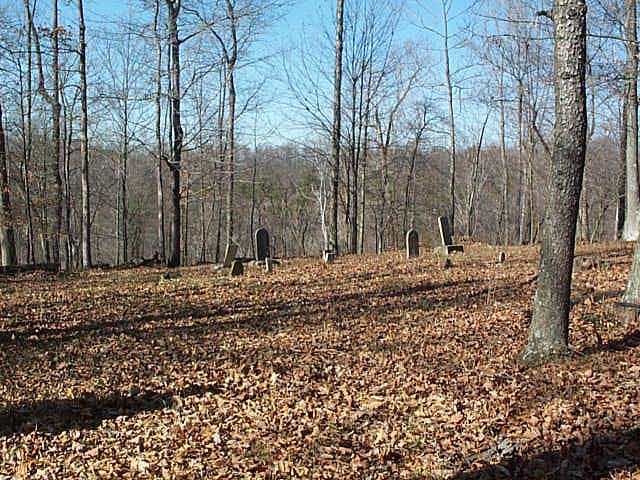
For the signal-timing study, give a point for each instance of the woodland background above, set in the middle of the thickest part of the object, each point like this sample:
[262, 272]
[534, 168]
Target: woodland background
[265, 159]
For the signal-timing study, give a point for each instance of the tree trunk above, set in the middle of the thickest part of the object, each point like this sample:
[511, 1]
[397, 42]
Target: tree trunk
[7, 237]
[230, 150]
[84, 144]
[549, 331]
[56, 108]
[452, 127]
[173, 7]
[158, 133]
[335, 131]
[632, 206]
[504, 217]
[28, 136]
[620, 203]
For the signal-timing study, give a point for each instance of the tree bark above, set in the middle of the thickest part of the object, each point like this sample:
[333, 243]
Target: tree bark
[632, 195]
[7, 236]
[173, 7]
[335, 131]
[452, 126]
[56, 108]
[549, 331]
[28, 135]
[159, 150]
[84, 143]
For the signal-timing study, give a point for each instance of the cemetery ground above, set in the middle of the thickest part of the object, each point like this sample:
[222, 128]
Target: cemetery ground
[370, 367]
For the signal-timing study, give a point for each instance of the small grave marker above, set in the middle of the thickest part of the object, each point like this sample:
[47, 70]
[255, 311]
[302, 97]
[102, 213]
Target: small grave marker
[229, 255]
[262, 244]
[236, 268]
[268, 265]
[413, 247]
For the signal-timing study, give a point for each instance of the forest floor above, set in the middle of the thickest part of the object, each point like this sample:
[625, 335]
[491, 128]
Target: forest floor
[371, 367]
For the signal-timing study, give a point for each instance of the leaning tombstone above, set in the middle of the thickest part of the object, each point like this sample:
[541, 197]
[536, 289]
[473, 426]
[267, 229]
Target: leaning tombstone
[230, 255]
[413, 247]
[447, 238]
[236, 268]
[262, 244]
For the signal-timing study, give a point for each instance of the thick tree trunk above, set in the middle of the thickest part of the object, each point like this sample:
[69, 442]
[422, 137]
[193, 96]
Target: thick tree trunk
[335, 131]
[632, 196]
[7, 237]
[84, 144]
[173, 7]
[549, 331]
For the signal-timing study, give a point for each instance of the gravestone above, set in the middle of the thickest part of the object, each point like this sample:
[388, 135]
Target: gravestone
[446, 238]
[328, 256]
[236, 268]
[413, 248]
[229, 255]
[262, 244]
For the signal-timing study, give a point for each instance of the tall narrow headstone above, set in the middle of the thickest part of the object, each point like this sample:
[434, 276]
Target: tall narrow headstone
[229, 255]
[262, 244]
[445, 231]
[413, 248]
[446, 237]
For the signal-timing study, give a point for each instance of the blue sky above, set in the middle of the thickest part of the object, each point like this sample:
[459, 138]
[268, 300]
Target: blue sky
[302, 18]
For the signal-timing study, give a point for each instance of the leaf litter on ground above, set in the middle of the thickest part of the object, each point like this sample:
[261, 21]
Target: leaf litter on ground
[370, 367]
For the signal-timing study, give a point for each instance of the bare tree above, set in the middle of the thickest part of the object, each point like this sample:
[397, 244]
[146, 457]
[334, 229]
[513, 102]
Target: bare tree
[7, 237]
[446, 6]
[335, 131]
[632, 195]
[158, 132]
[549, 331]
[173, 8]
[84, 142]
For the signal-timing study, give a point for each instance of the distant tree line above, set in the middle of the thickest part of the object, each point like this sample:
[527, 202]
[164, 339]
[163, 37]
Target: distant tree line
[155, 133]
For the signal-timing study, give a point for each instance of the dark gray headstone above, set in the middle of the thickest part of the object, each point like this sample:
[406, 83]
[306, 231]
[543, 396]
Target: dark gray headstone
[446, 237]
[229, 255]
[413, 248]
[236, 268]
[445, 231]
[262, 244]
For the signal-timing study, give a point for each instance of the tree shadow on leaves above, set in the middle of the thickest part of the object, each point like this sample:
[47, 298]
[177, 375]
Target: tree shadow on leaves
[199, 318]
[88, 410]
[598, 457]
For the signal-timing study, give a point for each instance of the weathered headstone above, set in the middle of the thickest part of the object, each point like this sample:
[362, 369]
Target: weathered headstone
[262, 244]
[230, 255]
[236, 268]
[445, 231]
[413, 248]
[502, 257]
[268, 265]
[328, 256]
[446, 237]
